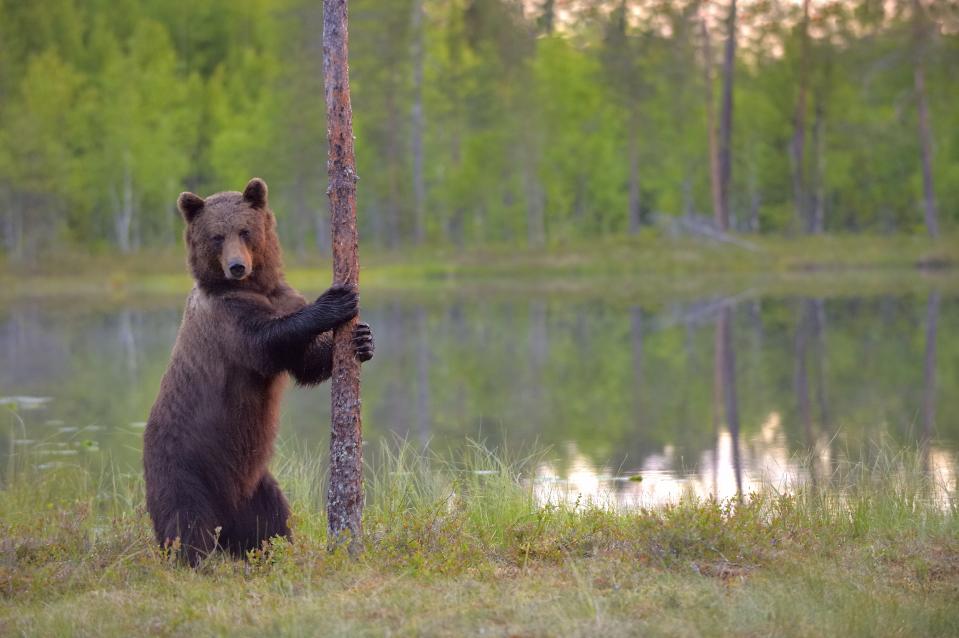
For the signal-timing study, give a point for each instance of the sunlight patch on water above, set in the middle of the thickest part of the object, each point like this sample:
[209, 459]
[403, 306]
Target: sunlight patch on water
[942, 470]
[763, 463]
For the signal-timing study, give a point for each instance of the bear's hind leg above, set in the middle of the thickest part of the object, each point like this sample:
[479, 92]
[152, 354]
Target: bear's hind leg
[264, 516]
[196, 530]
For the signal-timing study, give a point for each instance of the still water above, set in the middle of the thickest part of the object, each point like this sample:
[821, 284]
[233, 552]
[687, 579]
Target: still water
[707, 397]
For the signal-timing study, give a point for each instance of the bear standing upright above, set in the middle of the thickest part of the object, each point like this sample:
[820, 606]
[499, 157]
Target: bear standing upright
[210, 433]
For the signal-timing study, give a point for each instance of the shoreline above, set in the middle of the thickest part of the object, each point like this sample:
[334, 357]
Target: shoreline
[645, 267]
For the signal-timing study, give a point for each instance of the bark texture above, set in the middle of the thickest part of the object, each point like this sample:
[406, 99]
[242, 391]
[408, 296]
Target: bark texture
[345, 496]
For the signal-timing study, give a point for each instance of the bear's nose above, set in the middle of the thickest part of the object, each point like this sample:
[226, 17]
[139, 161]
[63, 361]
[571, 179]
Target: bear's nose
[237, 269]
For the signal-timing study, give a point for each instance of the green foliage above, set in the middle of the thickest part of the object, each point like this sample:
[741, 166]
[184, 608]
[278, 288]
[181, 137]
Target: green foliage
[111, 108]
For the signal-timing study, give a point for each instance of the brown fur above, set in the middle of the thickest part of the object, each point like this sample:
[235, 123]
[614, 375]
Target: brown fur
[210, 433]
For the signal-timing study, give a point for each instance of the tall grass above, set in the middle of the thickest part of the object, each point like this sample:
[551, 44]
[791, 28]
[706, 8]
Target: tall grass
[460, 543]
[482, 503]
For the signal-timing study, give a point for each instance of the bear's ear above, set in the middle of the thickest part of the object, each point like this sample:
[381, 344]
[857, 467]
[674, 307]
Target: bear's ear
[255, 193]
[190, 206]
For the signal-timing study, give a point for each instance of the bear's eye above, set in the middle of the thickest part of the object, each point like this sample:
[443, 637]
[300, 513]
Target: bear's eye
[245, 234]
[218, 239]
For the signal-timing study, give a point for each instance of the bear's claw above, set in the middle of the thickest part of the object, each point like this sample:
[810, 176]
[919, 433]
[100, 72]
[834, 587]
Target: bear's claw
[363, 345]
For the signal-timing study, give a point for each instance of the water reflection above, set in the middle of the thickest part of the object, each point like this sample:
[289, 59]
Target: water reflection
[724, 394]
[929, 369]
[709, 397]
[724, 473]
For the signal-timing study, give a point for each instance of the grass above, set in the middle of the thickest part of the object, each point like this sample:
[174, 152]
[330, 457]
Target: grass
[463, 548]
[647, 265]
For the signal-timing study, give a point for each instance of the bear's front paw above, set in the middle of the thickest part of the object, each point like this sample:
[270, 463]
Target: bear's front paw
[363, 345]
[340, 303]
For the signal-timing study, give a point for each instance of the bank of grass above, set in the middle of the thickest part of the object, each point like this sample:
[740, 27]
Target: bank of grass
[464, 548]
[649, 264]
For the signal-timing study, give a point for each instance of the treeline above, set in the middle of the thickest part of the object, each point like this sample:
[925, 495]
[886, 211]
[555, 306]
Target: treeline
[481, 120]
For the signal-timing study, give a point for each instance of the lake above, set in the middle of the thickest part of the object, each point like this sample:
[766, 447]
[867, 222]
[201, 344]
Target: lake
[634, 403]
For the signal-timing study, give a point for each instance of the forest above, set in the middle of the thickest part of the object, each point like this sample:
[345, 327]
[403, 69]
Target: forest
[479, 122]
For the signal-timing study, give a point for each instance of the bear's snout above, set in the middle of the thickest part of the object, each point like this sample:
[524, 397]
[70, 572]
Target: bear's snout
[236, 259]
[237, 268]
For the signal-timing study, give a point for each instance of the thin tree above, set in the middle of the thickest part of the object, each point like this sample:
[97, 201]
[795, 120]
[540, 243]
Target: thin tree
[622, 55]
[547, 16]
[798, 145]
[818, 205]
[416, 124]
[711, 125]
[345, 496]
[922, 32]
[726, 119]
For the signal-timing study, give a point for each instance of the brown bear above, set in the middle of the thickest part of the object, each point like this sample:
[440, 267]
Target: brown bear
[210, 433]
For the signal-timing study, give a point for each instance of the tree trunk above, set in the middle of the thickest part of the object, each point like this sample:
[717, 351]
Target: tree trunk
[634, 202]
[123, 222]
[416, 124]
[798, 145]
[714, 179]
[535, 205]
[922, 33]
[345, 497]
[818, 222]
[726, 121]
[755, 197]
[925, 142]
[547, 19]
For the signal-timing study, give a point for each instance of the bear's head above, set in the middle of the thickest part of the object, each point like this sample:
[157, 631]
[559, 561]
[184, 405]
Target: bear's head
[231, 239]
